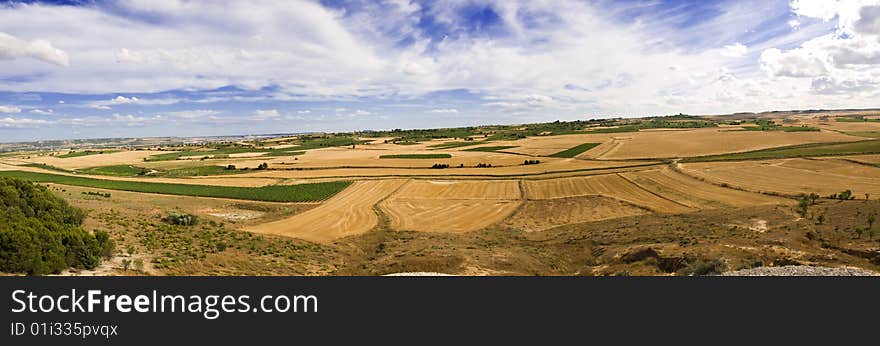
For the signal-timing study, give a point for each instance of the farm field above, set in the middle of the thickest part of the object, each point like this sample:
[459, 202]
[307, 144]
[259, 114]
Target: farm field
[694, 193]
[609, 185]
[451, 206]
[346, 214]
[545, 199]
[790, 177]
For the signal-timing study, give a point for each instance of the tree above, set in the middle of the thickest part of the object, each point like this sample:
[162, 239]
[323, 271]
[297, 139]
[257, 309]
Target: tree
[41, 234]
[813, 198]
[871, 219]
[126, 263]
[804, 206]
[859, 232]
[821, 219]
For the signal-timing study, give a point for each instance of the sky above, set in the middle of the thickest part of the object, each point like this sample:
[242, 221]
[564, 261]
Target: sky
[139, 68]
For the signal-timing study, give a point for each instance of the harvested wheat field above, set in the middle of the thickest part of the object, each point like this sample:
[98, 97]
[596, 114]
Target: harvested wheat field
[866, 159]
[695, 193]
[348, 213]
[451, 206]
[711, 141]
[117, 158]
[438, 189]
[779, 177]
[609, 185]
[446, 215]
[539, 215]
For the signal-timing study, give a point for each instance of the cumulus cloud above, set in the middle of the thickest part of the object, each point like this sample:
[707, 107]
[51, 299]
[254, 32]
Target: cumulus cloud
[843, 63]
[13, 48]
[122, 100]
[9, 109]
[793, 63]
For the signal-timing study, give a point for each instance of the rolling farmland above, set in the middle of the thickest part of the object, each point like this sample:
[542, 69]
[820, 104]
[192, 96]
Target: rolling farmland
[492, 203]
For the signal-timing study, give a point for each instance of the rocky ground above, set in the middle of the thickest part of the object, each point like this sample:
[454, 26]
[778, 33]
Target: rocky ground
[801, 271]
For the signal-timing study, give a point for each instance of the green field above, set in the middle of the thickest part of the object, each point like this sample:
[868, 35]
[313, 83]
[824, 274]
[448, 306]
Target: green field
[491, 149]
[575, 151]
[134, 171]
[224, 152]
[803, 150]
[450, 145]
[115, 170]
[45, 166]
[416, 156]
[85, 153]
[275, 193]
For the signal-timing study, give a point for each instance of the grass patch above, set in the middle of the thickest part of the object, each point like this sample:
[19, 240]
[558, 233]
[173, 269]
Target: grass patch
[416, 156]
[868, 134]
[45, 166]
[491, 149]
[85, 153]
[275, 193]
[575, 151]
[856, 120]
[803, 150]
[450, 145]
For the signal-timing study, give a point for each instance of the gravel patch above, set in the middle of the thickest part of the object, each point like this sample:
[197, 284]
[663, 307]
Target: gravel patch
[418, 274]
[801, 271]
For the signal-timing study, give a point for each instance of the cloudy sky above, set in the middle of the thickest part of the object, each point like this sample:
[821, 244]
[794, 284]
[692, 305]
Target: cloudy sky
[85, 69]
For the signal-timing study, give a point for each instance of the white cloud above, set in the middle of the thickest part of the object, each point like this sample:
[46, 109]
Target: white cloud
[793, 63]
[265, 114]
[127, 56]
[19, 123]
[9, 109]
[303, 112]
[735, 50]
[42, 112]
[794, 24]
[191, 114]
[122, 100]
[444, 110]
[361, 112]
[13, 48]
[99, 107]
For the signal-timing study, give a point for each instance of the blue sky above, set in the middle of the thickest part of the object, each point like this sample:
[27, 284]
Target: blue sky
[131, 68]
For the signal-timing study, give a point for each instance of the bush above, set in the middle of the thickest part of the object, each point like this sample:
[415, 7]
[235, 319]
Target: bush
[181, 219]
[42, 234]
[701, 267]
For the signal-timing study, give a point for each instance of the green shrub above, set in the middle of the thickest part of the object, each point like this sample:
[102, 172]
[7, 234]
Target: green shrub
[41, 234]
[701, 267]
[181, 219]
